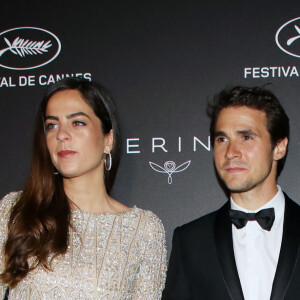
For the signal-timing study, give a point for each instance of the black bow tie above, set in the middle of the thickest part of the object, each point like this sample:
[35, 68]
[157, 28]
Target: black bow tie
[265, 218]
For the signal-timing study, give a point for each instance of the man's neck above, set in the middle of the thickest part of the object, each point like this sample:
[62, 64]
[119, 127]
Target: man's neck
[254, 199]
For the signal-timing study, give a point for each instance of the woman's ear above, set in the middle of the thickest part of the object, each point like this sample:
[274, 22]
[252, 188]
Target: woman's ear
[109, 141]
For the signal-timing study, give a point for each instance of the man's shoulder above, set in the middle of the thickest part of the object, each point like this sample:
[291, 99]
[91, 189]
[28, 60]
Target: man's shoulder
[292, 207]
[291, 201]
[203, 223]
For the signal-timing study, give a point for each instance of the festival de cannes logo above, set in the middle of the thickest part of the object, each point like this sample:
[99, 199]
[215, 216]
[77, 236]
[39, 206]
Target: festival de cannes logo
[169, 168]
[25, 48]
[288, 37]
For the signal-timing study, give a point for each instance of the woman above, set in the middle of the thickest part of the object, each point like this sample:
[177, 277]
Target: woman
[64, 237]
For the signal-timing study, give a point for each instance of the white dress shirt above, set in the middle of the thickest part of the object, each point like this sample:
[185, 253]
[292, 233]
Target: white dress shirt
[257, 250]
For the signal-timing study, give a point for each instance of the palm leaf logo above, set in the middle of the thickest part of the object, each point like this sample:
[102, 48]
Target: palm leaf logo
[24, 47]
[157, 167]
[169, 168]
[291, 40]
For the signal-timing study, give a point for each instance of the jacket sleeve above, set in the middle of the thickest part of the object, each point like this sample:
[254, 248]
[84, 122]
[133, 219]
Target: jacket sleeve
[177, 284]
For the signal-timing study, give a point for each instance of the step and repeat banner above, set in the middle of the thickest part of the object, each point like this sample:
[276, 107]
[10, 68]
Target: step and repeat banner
[163, 61]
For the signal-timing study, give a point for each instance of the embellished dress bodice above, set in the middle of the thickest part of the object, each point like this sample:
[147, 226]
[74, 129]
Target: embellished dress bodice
[109, 257]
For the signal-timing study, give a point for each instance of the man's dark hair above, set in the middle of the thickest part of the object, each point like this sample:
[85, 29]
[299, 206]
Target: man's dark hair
[257, 98]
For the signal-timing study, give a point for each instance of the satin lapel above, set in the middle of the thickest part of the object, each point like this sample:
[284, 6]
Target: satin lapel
[224, 245]
[289, 250]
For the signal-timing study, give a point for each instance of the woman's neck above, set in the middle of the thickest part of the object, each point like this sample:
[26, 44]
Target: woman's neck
[89, 194]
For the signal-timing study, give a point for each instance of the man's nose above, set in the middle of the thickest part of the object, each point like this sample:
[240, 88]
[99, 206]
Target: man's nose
[232, 151]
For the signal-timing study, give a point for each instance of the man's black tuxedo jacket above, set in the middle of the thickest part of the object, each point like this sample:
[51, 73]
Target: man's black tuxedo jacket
[202, 263]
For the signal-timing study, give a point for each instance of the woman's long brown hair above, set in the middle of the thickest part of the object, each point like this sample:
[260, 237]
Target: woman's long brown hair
[39, 222]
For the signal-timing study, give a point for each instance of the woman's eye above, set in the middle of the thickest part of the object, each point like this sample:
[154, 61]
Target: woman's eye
[78, 123]
[50, 126]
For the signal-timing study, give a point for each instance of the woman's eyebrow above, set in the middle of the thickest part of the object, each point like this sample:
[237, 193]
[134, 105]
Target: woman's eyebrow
[70, 116]
[77, 114]
[51, 118]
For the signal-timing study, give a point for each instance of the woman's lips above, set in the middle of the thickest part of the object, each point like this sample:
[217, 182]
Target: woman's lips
[66, 153]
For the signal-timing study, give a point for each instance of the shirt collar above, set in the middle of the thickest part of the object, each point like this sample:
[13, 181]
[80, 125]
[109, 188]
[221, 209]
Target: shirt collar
[278, 202]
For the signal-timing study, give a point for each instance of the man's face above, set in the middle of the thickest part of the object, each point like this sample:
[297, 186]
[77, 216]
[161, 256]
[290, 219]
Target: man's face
[243, 153]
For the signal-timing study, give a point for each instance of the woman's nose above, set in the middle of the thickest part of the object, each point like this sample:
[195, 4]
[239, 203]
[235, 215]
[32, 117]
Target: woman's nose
[62, 135]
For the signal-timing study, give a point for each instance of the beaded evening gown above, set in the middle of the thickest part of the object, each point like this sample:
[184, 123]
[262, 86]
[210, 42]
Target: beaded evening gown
[109, 257]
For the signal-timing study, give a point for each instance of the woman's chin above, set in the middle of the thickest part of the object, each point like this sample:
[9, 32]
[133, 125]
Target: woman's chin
[68, 173]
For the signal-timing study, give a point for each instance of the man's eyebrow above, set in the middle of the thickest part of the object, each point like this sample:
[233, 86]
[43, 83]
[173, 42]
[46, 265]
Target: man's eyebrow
[70, 116]
[239, 132]
[247, 132]
[220, 133]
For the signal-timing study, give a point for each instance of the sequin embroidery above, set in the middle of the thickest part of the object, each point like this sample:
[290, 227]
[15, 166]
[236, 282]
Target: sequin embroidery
[109, 257]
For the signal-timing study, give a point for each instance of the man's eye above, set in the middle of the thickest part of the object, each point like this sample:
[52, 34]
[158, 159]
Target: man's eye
[221, 139]
[247, 137]
[78, 123]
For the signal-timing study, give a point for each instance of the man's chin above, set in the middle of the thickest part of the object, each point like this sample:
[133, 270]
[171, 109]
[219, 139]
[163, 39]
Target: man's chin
[237, 191]
[238, 188]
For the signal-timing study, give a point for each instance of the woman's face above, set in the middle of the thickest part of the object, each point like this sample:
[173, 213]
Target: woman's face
[74, 135]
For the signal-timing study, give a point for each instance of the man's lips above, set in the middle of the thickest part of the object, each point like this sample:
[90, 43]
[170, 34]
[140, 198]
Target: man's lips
[235, 169]
[66, 153]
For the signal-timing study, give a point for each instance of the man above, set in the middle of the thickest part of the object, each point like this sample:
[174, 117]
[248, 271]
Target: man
[248, 249]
